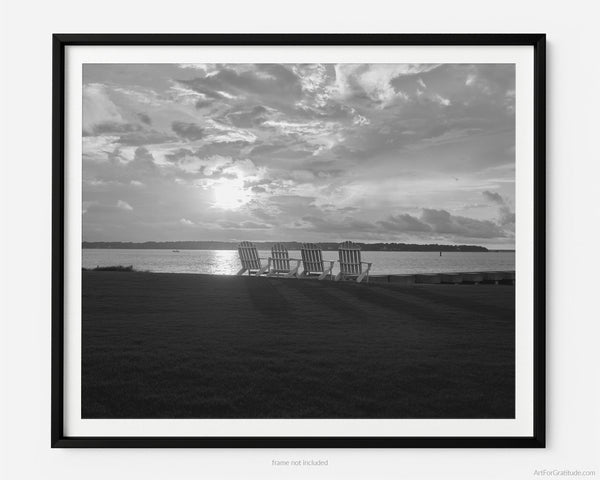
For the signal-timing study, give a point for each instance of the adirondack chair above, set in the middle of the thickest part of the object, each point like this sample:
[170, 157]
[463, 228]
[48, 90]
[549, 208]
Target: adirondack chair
[351, 264]
[250, 260]
[280, 262]
[312, 261]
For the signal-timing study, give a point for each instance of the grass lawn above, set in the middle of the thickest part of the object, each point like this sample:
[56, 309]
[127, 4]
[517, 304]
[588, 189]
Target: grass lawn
[200, 346]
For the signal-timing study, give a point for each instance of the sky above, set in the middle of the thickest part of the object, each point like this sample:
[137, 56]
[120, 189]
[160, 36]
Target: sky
[413, 153]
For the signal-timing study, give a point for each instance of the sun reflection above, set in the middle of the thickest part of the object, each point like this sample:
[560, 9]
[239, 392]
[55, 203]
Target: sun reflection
[224, 262]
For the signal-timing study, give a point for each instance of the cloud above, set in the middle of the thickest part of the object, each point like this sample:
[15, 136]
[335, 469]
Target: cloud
[141, 166]
[443, 222]
[143, 155]
[441, 100]
[323, 150]
[144, 118]
[247, 225]
[122, 205]
[144, 137]
[222, 133]
[98, 106]
[227, 82]
[246, 118]
[493, 197]
[375, 82]
[204, 167]
[188, 131]
[112, 128]
[507, 217]
[404, 223]
[185, 221]
[145, 96]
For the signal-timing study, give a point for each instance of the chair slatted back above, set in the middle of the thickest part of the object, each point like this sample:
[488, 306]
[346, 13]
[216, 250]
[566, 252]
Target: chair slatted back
[312, 258]
[281, 259]
[349, 253]
[249, 256]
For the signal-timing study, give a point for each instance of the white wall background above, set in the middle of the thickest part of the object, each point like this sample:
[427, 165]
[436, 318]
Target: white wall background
[573, 231]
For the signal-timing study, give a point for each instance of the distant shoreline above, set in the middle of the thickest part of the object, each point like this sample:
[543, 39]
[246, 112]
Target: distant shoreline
[327, 246]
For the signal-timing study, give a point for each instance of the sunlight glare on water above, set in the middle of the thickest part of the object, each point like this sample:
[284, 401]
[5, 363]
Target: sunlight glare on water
[226, 262]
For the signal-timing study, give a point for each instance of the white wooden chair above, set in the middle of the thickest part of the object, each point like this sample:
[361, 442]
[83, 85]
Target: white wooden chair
[280, 262]
[312, 261]
[250, 260]
[350, 262]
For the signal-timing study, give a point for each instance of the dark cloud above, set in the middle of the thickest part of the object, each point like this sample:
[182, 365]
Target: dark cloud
[225, 149]
[112, 128]
[443, 222]
[412, 85]
[203, 103]
[129, 133]
[188, 131]
[493, 197]
[404, 223]
[144, 118]
[142, 154]
[143, 161]
[146, 137]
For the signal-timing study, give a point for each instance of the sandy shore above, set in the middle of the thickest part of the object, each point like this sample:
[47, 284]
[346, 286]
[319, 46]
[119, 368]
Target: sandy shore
[200, 346]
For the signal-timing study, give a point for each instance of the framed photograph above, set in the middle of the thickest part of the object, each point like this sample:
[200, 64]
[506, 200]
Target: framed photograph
[322, 240]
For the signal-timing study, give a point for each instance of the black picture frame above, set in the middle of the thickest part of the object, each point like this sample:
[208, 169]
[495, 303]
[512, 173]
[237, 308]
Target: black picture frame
[61, 41]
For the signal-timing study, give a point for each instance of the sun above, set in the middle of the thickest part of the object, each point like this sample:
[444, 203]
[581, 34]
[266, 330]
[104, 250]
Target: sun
[230, 194]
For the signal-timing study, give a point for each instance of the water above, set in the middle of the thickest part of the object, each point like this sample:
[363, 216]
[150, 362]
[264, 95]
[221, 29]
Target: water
[226, 262]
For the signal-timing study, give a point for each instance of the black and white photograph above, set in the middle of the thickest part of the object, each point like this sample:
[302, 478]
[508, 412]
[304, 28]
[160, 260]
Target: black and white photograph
[298, 241]
[324, 240]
